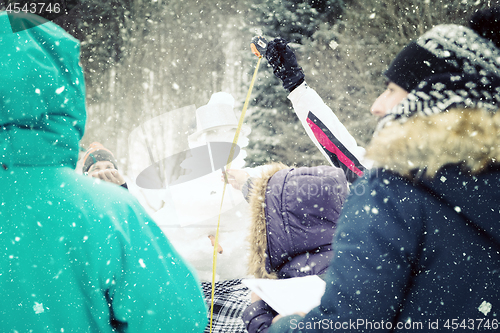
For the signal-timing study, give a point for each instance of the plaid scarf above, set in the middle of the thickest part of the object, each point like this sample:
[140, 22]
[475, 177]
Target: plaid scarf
[231, 298]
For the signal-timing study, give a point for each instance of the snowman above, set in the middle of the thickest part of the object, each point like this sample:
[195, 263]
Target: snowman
[192, 206]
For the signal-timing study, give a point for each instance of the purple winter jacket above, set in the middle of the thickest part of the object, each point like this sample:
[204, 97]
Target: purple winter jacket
[294, 213]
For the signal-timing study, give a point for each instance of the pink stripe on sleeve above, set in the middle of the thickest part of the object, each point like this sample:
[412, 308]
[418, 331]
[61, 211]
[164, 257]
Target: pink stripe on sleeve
[331, 147]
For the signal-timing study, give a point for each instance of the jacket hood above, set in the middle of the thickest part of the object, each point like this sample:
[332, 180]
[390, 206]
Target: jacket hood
[455, 154]
[293, 218]
[42, 93]
[258, 234]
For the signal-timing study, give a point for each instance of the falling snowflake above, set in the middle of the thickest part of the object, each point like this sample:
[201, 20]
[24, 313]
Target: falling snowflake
[485, 307]
[305, 269]
[141, 262]
[38, 308]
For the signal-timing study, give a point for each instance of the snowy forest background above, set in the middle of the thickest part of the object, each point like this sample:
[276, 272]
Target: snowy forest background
[144, 59]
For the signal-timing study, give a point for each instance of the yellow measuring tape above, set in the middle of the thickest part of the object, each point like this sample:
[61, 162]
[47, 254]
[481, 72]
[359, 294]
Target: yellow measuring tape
[231, 153]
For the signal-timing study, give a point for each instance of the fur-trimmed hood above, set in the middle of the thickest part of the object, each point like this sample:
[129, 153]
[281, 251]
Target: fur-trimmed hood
[293, 218]
[453, 156]
[258, 235]
[469, 137]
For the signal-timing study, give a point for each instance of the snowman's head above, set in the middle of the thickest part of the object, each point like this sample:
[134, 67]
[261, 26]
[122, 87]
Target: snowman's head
[217, 122]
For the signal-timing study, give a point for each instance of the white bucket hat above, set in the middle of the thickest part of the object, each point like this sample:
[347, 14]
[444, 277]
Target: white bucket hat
[217, 114]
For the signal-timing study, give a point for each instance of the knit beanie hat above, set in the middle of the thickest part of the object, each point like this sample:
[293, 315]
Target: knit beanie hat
[449, 66]
[97, 152]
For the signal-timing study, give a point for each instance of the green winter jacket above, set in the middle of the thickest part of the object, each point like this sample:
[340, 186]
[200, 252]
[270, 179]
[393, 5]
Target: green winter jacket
[76, 254]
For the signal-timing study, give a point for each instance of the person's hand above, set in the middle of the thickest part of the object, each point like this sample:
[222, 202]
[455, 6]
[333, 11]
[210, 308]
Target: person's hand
[235, 177]
[110, 175]
[254, 297]
[212, 240]
[284, 63]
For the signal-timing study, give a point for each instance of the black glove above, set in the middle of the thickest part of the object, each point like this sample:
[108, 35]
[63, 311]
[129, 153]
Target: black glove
[281, 57]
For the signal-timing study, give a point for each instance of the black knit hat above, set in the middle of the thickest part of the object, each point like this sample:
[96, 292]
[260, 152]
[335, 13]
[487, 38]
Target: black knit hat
[413, 64]
[444, 49]
[449, 66]
[97, 152]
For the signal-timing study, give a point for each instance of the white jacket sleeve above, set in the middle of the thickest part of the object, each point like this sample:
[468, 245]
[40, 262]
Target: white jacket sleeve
[328, 133]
